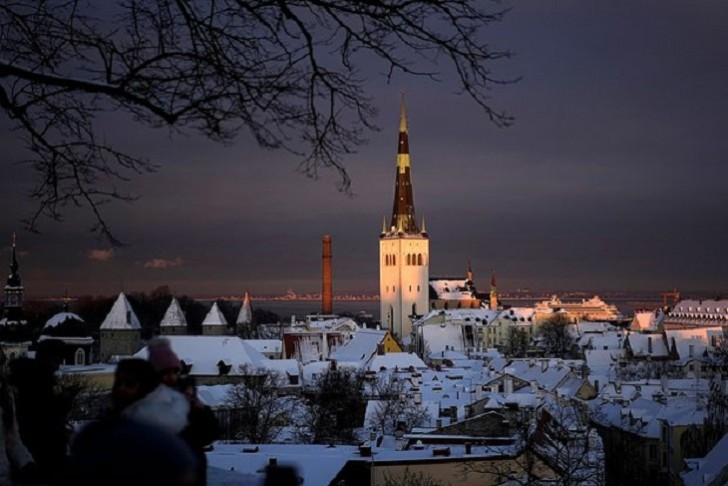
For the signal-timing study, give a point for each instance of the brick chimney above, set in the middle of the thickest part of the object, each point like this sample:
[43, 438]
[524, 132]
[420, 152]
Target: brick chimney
[326, 280]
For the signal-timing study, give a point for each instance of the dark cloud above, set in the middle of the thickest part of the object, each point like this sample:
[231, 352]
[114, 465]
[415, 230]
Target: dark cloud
[612, 176]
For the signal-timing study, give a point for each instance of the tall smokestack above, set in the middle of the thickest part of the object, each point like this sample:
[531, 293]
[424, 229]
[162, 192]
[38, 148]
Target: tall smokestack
[326, 291]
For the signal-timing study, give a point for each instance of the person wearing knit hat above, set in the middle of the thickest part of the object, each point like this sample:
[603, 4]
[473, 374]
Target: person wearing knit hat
[164, 360]
[202, 428]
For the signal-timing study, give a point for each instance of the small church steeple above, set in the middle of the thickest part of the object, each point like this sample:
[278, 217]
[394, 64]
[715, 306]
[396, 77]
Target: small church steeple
[493, 293]
[14, 291]
[403, 212]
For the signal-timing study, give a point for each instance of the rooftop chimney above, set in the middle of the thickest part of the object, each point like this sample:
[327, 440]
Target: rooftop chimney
[326, 291]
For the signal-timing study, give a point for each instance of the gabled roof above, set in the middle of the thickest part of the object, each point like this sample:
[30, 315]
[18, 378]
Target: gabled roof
[214, 317]
[647, 344]
[174, 317]
[391, 361]
[121, 316]
[361, 347]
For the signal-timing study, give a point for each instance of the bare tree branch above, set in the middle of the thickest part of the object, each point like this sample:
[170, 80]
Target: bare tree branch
[285, 71]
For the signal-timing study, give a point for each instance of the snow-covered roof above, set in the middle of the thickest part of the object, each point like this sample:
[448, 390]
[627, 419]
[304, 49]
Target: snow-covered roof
[647, 320]
[391, 361]
[314, 464]
[517, 314]
[214, 317]
[639, 417]
[284, 367]
[360, 348]
[61, 317]
[214, 396]
[706, 470]
[546, 374]
[333, 324]
[647, 344]
[600, 361]
[451, 289]
[702, 307]
[474, 316]
[446, 336]
[266, 345]
[611, 340]
[174, 317]
[205, 352]
[121, 315]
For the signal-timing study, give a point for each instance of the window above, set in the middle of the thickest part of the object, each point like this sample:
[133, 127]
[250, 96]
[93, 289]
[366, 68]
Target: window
[419, 259]
[653, 451]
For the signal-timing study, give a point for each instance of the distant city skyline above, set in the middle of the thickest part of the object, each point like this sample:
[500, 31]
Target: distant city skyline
[612, 177]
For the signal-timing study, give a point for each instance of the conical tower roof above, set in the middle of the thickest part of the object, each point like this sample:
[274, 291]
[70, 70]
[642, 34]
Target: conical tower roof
[214, 317]
[403, 212]
[121, 315]
[174, 317]
[245, 316]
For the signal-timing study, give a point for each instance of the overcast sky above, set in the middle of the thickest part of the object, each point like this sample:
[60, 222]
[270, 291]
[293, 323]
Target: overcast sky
[613, 176]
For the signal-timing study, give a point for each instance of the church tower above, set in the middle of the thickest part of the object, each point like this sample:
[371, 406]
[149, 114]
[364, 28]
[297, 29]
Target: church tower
[404, 251]
[13, 294]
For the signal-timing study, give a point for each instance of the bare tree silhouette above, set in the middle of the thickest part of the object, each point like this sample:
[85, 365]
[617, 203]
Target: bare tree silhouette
[286, 71]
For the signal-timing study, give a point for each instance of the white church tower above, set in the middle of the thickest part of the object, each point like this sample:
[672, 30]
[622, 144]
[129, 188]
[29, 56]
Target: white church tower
[404, 251]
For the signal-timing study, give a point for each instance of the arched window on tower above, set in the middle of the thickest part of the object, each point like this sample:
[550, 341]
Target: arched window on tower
[394, 260]
[419, 259]
[409, 260]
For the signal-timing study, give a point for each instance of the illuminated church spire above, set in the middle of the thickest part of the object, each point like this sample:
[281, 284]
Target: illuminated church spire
[404, 251]
[403, 212]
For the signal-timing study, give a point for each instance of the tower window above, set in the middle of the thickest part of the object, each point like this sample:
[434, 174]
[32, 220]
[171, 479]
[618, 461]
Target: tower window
[419, 259]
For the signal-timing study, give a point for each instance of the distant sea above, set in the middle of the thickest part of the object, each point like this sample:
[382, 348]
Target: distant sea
[300, 308]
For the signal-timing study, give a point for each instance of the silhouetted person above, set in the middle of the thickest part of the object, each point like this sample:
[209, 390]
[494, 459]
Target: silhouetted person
[16, 463]
[139, 395]
[202, 428]
[119, 451]
[41, 407]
